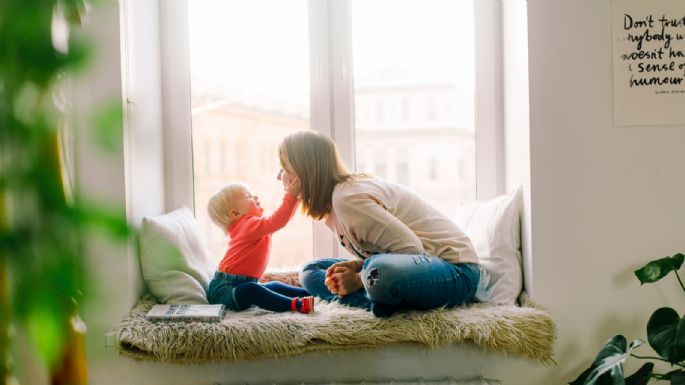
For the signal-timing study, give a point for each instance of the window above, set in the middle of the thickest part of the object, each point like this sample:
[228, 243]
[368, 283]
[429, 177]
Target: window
[424, 51]
[405, 101]
[239, 96]
[403, 173]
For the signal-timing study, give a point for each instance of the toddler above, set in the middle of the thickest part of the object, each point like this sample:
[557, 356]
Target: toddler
[238, 213]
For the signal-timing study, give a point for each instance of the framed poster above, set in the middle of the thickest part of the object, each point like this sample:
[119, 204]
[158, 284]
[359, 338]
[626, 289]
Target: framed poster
[649, 62]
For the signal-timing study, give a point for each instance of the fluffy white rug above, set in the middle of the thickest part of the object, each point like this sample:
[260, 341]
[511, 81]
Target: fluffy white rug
[252, 334]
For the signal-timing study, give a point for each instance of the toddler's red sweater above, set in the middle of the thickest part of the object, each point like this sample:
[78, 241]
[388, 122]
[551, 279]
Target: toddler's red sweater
[248, 249]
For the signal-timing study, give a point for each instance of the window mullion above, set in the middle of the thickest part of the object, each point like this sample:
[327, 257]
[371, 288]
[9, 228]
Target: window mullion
[342, 79]
[489, 99]
[321, 103]
[175, 72]
[320, 99]
[342, 85]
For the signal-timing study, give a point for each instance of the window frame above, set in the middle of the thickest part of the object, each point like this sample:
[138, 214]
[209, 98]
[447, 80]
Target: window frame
[331, 97]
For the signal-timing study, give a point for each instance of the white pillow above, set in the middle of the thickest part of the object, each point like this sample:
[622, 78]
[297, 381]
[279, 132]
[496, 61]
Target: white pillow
[494, 229]
[176, 264]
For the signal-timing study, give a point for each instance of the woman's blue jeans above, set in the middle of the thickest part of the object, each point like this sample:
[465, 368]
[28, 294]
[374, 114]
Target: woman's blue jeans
[399, 281]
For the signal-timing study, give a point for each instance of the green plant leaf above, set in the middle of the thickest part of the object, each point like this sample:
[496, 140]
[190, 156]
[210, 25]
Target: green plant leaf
[659, 268]
[607, 368]
[666, 334]
[108, 121]
[604, 379]
[677, 377]
[642, 375]
[46, 326]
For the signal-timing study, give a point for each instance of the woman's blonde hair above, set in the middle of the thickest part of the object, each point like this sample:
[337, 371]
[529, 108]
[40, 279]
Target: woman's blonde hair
[221, 204]
[317, 163]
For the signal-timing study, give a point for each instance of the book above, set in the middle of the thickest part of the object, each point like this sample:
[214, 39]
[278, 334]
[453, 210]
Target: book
[186, 313]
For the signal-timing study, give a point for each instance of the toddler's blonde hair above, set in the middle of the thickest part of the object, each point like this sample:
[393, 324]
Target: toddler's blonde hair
[221, 204]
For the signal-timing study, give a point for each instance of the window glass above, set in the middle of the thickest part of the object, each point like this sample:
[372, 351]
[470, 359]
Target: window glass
[414, 95]
[243, 105]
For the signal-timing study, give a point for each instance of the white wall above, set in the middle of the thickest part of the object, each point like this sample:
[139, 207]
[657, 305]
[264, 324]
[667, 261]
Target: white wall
[605, 199]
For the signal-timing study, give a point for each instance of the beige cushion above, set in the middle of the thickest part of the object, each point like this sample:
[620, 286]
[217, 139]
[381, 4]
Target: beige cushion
[494, 229]
[176, 264]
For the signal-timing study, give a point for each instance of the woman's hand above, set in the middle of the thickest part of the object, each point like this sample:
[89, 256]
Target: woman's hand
[343, 278]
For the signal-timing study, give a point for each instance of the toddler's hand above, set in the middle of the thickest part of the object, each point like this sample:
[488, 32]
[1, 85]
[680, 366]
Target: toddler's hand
[294, 187]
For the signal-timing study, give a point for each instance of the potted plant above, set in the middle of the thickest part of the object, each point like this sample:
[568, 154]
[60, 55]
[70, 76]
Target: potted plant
[665, 334]
[43, 275]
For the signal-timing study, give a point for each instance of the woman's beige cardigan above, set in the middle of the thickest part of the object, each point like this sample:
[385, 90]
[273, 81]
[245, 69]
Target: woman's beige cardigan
[374, 216]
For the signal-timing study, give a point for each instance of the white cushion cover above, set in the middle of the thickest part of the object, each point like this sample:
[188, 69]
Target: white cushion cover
[175, 261]
[494, 229]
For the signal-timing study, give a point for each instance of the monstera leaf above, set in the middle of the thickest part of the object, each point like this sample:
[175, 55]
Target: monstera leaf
[642, 376]
[607, 368]
[677, 377]
[657, 269]
[666, 334]
[604, 379]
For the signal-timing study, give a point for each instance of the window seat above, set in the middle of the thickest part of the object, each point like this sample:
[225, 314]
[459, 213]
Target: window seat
[177, 268]
[527, 331]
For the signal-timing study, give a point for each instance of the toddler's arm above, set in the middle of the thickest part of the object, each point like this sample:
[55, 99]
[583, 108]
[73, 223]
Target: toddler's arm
[261, 226]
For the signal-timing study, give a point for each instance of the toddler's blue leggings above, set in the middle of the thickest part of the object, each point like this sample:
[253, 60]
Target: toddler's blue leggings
[275, 296]
[238, 292]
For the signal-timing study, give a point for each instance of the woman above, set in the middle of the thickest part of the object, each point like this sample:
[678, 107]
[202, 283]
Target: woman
[410, 255]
